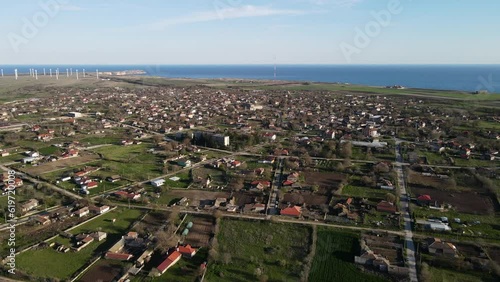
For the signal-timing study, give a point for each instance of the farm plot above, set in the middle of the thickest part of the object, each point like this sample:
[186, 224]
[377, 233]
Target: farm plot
[310, 199]
[334, 259]
[103, 270]
[462, 201]
[195, 197]
[325, 180]
[201, 232]
[61, 164]
[258, 249]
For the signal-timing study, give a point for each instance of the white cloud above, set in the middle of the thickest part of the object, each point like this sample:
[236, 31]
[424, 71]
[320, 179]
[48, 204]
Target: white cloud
[247, 11]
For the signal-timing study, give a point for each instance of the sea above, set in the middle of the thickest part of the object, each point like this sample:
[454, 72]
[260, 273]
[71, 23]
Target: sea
[468, 78]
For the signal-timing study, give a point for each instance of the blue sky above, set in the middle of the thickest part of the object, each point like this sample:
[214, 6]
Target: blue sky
[249, 32]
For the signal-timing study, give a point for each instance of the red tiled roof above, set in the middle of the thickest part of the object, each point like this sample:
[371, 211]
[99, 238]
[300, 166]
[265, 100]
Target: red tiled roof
[117, 256]
[170, 260]
[293, 211]
[424, 198]
[187, 250]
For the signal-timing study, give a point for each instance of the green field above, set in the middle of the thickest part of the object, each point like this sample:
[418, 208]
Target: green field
[47, 262]
[445, 275]
[334, 259]
[276, 249]
[132, 162]
[124, 218]
[364, 192]
[183, 182]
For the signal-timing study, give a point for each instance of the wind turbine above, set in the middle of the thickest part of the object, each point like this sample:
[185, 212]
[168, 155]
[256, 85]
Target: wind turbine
[36, 74]
[97, 73]
[57, 74]
[67, 73]
[71, 69]
[76, 74]
[2, 72]
[50, 72]
[15, 73]
[83, 73]
[43, 71]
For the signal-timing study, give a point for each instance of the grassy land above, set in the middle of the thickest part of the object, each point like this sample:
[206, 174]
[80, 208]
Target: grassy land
[488, 227]
[278, 250]
[334, 259]
[364, 192]
[47, 262]
[124, 217]
[132, 162]
[183, 182]
[445, 275]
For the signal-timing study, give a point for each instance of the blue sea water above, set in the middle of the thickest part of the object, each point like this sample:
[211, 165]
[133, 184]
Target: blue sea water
[443, 77]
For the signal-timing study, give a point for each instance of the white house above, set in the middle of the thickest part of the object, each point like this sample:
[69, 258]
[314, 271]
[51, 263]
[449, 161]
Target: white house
[158, 182]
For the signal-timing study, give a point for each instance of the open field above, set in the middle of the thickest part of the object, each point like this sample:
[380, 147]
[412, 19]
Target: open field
[327, 180]
[47, 262]
[124, 218]
[462, 201]
[447, 275]
[310, 199]
[103, 270]
[183, 182]
[365, 192]
[194, 196]
[201, 232]
[276, 249]
[60, 164]
[334, 259]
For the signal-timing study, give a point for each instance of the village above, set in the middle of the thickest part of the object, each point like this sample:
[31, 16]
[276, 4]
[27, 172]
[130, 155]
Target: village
[157, 183]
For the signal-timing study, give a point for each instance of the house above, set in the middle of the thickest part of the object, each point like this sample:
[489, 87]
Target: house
[385, 206]
[45, 137]
[91, 185]
[172, 259]
[424, 200]
[127, 195]
[292, 211]
[187, 251]
[184, 163]
[438, 247]
[42, 220]
[254, 207]
[260, 184]
[32, 154]
[113, 178]
[82, 212]
[98, 236]
[158, 182]
[29, 205]
[127, 142]
[29, 160]
[118, 256]
[99, 210]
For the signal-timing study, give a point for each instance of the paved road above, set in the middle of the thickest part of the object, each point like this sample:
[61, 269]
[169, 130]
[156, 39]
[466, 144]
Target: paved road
[272, 208]
[263, 217]
[405, 210]
[51, 186]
